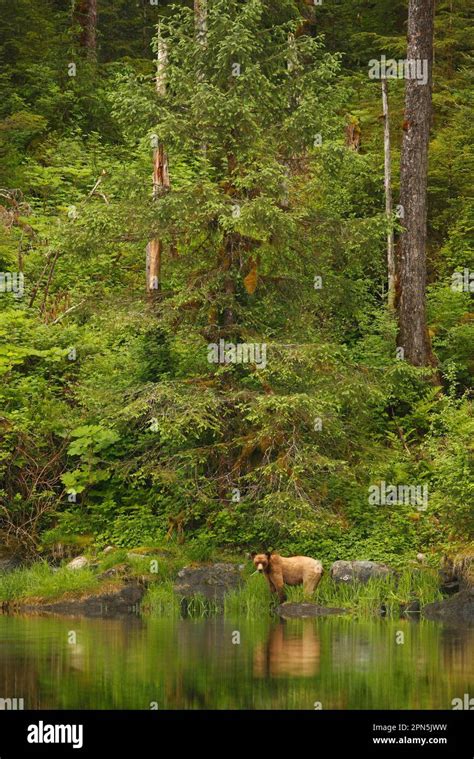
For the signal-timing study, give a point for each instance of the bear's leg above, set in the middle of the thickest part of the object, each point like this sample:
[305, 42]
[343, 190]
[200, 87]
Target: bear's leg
[274, 589]
[311, 583]
[281, 595]
[270, 584]
[277, 580]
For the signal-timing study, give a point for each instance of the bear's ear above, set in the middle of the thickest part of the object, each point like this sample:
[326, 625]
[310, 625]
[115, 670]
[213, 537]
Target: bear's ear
[269, 555]
[251, 555]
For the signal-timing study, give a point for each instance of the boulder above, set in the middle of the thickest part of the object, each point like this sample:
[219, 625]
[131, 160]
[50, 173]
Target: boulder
[212, 581]
[8, 563]
[360, 571]
[464, 569]
[291, 610]
[9, 556]
[78, 563]
[457, 574]
[457, 609]
[110, 603]
[448, 580]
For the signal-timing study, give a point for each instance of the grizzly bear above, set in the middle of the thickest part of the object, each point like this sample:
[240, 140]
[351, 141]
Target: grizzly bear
[296, 570]
[284, 654]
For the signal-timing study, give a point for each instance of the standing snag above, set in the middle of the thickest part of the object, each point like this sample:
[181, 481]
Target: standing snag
[85, 13]
[413, 334]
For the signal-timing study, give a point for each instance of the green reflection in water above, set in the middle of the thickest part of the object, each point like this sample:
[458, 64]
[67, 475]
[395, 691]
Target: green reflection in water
[193, 664]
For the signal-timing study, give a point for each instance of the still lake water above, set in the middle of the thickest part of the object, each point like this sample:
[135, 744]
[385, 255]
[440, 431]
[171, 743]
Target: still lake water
[193, 664]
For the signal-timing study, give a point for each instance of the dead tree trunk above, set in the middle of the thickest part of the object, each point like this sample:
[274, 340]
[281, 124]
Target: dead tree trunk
[161, 180]
[200, 20]
[388, 198]
[85, 13]
[413, 334]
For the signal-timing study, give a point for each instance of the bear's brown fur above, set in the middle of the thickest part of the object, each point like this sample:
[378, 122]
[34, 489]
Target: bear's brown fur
[284, 654]
[296, 570]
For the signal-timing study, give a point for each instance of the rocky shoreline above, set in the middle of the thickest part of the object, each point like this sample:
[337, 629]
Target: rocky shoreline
[122, 600]
[121, 593]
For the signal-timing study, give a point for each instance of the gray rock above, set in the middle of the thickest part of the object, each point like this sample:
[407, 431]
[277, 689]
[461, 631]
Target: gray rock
[212, 581]
[9, 556]
[448, 579]
[464, 568]
[457, 574]
[458, 609]
[78, 563]
[116, 602]
[11, 553]
[360, 571]
[449, 587]
[290, 610]
[8, 564]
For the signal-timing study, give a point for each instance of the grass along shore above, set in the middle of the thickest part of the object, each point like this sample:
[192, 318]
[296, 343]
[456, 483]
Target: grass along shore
[42, 582]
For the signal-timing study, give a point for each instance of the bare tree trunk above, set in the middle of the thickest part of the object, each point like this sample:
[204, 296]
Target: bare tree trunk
[226, 255]
[413, 334]
[200, 27]
[161, 179]
[153, 266]
[200, 20]
[229, 286]
[49, 280]
[388, 198]
[85, 13]
[161, 61]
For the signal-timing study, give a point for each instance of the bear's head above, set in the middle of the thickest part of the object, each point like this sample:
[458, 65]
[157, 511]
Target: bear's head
[262, 561]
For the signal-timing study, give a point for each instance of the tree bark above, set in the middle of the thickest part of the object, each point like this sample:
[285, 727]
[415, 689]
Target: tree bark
[413, 334]
[161, 179]
[200, 20]
[388, 198]
[85, 13]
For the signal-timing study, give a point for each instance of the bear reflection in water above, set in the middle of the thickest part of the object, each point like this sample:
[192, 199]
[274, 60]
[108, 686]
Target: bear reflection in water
[288, 653]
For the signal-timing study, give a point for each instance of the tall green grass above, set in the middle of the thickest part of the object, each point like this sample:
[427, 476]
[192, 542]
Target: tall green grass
[40, 581]
[388, 593]
[161, 600]
[158, 567]
[252, 599]
[200, 606]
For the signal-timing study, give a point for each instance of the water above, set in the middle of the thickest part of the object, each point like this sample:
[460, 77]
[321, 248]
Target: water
[136, 663]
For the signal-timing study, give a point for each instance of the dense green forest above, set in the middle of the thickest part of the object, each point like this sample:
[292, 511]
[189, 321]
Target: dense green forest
[250, 166]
